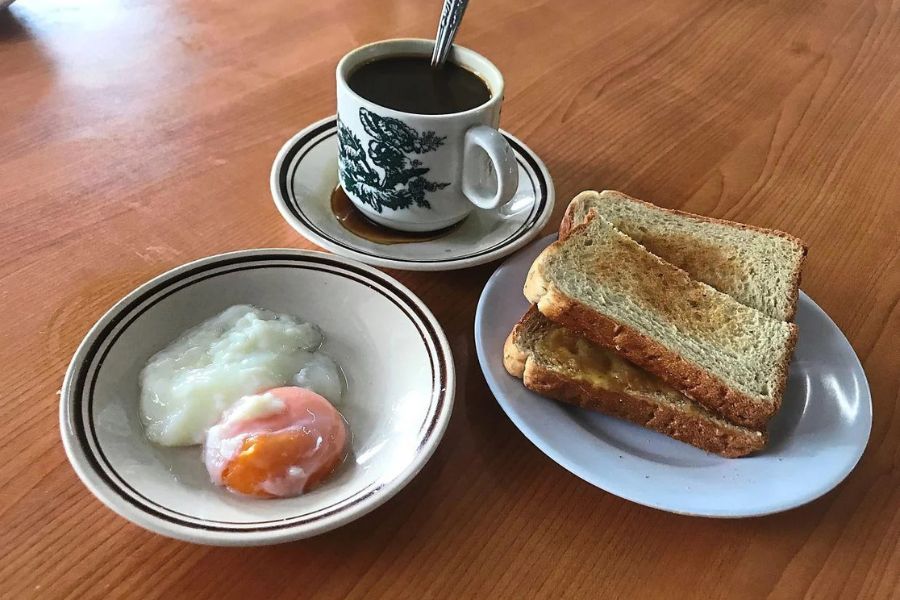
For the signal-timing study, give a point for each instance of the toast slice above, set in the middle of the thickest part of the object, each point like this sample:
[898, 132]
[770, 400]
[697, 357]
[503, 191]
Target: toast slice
[757, 267]
[606, 287]
[554, 362]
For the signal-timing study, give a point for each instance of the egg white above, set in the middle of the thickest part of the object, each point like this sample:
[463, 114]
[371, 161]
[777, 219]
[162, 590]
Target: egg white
[186, 387]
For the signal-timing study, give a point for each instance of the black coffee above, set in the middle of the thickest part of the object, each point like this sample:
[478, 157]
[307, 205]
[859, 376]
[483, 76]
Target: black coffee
[410, 84]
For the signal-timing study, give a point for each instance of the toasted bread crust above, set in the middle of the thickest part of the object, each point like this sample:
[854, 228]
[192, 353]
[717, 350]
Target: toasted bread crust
[514, 358]
[698, 432]
[795, 286]
[692, 429]
[691, 380]
[569, 223]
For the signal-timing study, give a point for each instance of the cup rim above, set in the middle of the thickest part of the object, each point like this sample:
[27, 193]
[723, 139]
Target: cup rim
[350, 60]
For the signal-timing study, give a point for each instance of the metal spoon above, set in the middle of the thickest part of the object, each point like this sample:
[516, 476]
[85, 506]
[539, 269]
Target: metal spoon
[451, 17]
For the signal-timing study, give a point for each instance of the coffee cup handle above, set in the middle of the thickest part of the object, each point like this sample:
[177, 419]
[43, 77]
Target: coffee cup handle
[491, 142]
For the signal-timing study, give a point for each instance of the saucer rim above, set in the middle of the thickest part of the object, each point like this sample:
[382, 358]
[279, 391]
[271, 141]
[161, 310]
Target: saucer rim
[504, 248]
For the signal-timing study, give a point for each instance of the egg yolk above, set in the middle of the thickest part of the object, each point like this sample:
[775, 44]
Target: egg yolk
[271, 456]
[277, 444]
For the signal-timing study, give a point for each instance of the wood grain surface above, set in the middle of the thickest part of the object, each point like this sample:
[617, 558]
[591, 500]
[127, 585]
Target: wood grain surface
[137, 135]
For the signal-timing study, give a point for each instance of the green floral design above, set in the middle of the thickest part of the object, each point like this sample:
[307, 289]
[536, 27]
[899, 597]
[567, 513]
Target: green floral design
[386, 175]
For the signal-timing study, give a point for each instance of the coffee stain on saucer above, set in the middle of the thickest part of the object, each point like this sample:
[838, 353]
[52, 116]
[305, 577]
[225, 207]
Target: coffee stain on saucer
[353, 220]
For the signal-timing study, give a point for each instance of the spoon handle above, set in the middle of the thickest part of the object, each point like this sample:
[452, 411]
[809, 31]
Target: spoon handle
[451, 17]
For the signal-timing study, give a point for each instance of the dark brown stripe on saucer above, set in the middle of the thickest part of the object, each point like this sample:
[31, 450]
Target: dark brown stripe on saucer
[308, 142]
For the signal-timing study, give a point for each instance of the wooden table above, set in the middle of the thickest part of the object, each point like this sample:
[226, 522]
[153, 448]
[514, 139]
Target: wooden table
[137, 135]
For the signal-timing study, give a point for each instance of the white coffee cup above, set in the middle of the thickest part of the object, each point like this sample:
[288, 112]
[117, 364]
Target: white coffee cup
[467, 160]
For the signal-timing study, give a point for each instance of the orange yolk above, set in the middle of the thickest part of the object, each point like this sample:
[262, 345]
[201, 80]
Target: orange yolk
[277, 444]
[268, 456]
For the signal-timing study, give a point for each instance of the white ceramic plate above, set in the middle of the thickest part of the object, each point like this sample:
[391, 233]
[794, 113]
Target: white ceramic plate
[400, 385]
[305, 174]
[815, 440]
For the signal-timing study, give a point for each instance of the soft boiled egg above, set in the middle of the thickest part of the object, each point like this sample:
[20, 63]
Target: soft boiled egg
[276, 444]
[186, 387]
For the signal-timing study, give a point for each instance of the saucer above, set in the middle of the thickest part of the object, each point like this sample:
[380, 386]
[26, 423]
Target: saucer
[815, 440]
[305, 175]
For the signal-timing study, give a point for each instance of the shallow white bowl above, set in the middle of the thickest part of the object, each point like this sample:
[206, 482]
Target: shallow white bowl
[400, 385]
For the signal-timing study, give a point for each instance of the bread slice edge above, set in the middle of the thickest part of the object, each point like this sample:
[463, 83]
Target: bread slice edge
[690, 379]
[569, 223]
[732, 441]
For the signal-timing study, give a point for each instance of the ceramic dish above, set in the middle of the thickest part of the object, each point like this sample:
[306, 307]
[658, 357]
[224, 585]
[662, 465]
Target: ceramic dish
[815, 440]
[400, 385]
[305, 174]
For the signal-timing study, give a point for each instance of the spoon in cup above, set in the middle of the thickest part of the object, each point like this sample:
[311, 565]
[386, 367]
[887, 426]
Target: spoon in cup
[451, 17]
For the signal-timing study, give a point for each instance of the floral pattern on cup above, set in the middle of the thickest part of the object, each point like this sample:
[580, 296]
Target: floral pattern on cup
[387, 174]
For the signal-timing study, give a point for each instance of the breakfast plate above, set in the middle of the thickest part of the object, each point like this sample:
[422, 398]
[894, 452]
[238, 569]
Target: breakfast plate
[398, 375]
[304, 176]
[814, 441]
